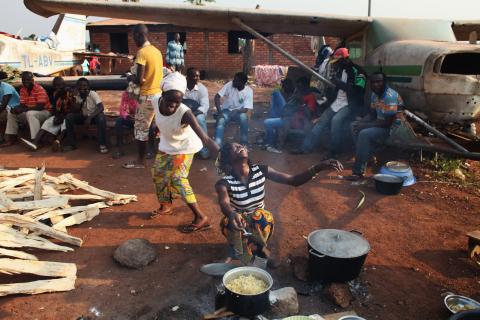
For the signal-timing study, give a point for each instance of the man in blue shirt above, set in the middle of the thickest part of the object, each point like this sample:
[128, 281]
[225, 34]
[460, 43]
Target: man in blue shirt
[9, 99]
[174, 56]
[374, 128]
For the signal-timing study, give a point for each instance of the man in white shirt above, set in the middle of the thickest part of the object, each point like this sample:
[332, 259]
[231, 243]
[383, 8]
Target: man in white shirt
[196, 98]
[88, 109]
[237, 100]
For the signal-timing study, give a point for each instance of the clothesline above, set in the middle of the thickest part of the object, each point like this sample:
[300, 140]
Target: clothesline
[268, 75]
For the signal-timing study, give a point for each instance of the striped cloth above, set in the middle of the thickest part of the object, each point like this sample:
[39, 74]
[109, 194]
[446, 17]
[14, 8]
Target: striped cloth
[34, 97]
[250, 197]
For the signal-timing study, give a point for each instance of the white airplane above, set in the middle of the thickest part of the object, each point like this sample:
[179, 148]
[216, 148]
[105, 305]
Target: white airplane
[438, 77]
[63, 49]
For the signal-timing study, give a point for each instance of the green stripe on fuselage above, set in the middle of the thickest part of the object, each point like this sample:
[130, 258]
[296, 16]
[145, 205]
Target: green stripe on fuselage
[411, 70]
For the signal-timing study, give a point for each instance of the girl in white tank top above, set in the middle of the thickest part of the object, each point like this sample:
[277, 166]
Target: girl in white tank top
[180, 138]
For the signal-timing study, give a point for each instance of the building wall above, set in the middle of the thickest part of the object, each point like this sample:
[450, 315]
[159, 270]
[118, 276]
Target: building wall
[208, 50]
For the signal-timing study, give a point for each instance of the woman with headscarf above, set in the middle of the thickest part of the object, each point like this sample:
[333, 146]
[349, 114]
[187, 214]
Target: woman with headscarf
[180, 138]
[241, 195]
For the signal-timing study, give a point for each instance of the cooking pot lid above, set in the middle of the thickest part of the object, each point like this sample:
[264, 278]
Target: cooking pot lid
[396, 166]
[338, 243]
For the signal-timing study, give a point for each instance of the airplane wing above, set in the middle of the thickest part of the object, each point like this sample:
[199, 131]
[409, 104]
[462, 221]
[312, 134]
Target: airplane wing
[462, 28]
[208, 17]
[103, 55]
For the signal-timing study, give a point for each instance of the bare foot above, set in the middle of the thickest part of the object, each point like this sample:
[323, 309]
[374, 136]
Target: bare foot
[200, 222]
[164, 209]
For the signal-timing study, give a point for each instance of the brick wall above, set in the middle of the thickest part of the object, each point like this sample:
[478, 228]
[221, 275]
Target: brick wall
[209, 50]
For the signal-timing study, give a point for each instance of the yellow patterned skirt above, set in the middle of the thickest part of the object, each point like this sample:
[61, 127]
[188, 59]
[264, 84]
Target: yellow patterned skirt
[260, 223]
[170, 176]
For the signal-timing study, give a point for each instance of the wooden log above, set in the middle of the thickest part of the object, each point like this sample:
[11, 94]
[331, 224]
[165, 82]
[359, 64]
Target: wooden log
[49, 190]
[17, 254]
[27, 222]
[12, 183]
[37, 190]
[78, 218]
[32, 205]
[37, 212]
[40, 286]
[11, 238]
[41, 268]
[79, 197]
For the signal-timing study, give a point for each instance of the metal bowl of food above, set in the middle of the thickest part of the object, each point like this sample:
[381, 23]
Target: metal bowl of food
[456, 303]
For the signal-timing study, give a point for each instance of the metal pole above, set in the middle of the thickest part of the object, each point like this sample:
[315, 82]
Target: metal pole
[369, 8]
[435, 131]
[239, 23]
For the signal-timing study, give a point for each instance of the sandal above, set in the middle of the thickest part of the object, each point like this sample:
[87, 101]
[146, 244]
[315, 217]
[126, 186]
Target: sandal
[103, 149]
[190, 228]
[133, 165]
[161, 212]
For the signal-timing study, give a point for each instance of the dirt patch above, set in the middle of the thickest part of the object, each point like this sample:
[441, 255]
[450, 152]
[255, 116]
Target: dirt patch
[418, 239]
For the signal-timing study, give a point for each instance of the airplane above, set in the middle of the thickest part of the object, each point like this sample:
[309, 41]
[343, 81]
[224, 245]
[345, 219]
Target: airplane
[437, 76]
[63, 49]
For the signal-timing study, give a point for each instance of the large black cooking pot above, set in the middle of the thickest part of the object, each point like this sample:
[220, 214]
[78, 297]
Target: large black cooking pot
[247, 305]
[388, 184]
[336, 255]
[466, 315]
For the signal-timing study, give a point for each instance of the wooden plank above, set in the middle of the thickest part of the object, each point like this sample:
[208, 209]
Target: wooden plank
[80, 197]
[40, 268]
[17, 172]
[40, 286]
[12, 183]
[17, 254]
[37, 190]
[11, 238]
[71, 210]
[37, 212]
[32, 205]
[27, 222]
[78, 218]
[49, 190]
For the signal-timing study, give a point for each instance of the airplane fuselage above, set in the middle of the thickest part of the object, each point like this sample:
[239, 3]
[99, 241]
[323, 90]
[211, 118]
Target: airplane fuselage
[34, 56]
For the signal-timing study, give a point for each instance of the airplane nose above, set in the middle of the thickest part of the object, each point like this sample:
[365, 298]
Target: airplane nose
[2, 47]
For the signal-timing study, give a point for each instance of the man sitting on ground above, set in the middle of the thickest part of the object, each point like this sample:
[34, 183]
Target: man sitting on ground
[238, 99]
[374, 129]
[62, 101]
[33, 110]
[196, 98]
[87, 109]
[9, 99]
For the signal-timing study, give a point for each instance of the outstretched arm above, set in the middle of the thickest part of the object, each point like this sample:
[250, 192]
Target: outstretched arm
[224, 201]
[305, 176]
[189, 118]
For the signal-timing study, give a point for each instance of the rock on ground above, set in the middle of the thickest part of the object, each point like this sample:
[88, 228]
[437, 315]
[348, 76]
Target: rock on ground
[339, 294]
[300, 268]
[135, 253]
[284, 302]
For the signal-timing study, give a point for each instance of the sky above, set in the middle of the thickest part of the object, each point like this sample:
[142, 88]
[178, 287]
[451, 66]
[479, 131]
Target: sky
[16, 18]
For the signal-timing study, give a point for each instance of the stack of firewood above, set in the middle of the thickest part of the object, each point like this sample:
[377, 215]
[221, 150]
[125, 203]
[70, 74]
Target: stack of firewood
[35, 206]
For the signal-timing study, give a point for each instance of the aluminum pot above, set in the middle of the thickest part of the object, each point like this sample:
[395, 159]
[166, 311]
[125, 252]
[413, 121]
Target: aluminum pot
[336, 255]
[388, 184]
[247, 305]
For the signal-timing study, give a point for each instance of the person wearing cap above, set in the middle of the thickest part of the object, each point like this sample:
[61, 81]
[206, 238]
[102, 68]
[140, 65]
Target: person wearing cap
[9, 99]
[345, 102]
[34, 109]
[180, 138]
[373, 129]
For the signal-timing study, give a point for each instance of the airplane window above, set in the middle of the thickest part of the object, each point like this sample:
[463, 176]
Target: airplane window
[466, 63]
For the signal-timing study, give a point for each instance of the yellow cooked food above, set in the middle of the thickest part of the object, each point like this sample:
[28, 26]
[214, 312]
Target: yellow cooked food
[247, 285]
[462, 307]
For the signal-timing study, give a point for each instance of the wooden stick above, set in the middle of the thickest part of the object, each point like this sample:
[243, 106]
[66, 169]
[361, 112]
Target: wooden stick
[61, 212]
[27, 222]
[12, 183]
[12, 238]
[37, 190]
[40, 286]
[18, 172]
[31, 205]
[41, 268]
[17, 254]
[78, 218]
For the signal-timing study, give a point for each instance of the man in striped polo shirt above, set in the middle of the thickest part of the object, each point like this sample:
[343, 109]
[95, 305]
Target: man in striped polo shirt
[34, 109]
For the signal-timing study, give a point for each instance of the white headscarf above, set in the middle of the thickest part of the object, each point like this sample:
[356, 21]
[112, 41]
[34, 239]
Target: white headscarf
[174, 81]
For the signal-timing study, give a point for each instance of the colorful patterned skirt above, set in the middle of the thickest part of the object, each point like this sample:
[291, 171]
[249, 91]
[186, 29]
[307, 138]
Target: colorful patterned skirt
[170, 176]
[260, 223]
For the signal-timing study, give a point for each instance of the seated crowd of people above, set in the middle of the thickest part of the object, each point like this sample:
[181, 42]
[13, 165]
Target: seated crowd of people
[333, 115]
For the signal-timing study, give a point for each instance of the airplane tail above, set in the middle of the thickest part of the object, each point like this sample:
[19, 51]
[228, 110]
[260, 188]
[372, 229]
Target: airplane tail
[70, 32]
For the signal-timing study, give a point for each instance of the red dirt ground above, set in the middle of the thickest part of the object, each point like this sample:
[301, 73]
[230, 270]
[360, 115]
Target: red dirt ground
[418, 240]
